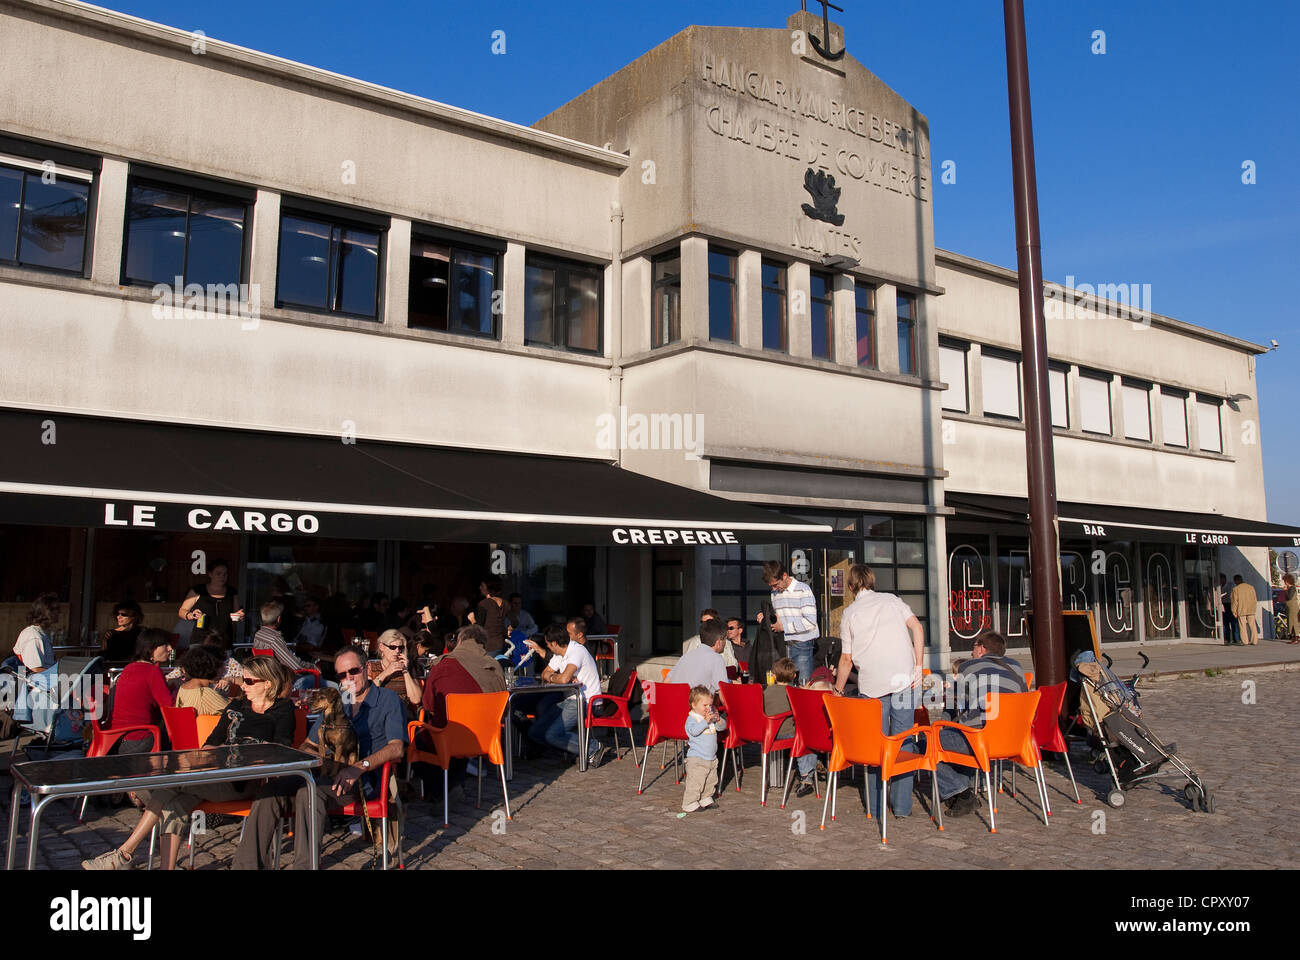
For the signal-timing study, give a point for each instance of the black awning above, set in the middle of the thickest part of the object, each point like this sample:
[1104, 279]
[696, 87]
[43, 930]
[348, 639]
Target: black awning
[88, 471]
[1098, 520]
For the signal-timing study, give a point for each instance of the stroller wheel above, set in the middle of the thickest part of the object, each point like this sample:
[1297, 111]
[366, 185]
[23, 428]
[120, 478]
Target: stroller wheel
[1116, 798]
[1193, 795]
[1098, 767]
[1207, 801]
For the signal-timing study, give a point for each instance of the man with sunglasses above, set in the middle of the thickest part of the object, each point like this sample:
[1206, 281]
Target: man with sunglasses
[379, 720]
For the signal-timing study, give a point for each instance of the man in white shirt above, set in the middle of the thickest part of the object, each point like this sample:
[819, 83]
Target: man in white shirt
[557, 726]
[796, 616]
[703, 666]
[883, 638]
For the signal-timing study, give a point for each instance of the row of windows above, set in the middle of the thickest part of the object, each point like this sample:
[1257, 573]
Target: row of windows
[329, 260]
[666, 309]
[1000, 376]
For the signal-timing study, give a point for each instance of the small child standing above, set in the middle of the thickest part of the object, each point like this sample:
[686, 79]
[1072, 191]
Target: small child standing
[702, 728]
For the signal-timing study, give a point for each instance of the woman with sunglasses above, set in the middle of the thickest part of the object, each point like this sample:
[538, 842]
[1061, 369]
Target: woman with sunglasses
[395, 661]
[264, 715]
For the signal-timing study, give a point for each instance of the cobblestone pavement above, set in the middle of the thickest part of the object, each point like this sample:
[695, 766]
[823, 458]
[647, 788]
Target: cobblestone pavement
[1247, 752]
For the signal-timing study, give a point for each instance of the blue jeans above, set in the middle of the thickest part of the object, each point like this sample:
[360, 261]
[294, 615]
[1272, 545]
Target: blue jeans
[896, 714]
[801, 652]
[806, 765]
[558, 727]
[954, 779]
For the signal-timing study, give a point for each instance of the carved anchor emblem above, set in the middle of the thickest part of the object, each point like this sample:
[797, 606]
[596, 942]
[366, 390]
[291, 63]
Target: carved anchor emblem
[826, 31]
[825, 195]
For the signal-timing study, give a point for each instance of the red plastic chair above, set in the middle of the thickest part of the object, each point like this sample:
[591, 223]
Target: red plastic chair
[747, 723]
[382, 810]
[669, 704]
[812, 731]
[182, 726]
[102, 741]
[857, 738]
[262, 652]
[621, 720]
[1048, 736]
[310, 672]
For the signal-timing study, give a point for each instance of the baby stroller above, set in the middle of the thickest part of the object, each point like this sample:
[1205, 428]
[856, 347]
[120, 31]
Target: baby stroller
[58, 705]
[1123, 743]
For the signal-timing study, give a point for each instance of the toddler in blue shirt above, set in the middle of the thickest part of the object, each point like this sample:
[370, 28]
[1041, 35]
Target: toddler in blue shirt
[702, 728]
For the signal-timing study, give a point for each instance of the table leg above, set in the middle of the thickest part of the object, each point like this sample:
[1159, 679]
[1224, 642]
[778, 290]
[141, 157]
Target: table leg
[313, 841]
[13, 825]
[38, 804]
[582, 734]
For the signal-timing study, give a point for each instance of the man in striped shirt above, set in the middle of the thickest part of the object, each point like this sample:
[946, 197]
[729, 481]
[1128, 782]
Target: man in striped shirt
[796, 616]
[270, 638]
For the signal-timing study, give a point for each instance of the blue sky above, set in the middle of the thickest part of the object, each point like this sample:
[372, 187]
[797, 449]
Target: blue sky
[1140, 150]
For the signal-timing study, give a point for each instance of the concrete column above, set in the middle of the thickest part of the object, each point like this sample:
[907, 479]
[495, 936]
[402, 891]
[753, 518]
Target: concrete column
[1072, 397]
[938, 652]
[1193, 423]
[799, 310]
[926, 337]
[512, 282]
[749, 299]
[695, 289]
[975, 380]
[887, 327]
[397, 273]
[1157, 416]
[110, 224]
[637, 301]
[263, 263]
[1116, 407]
[845, 342]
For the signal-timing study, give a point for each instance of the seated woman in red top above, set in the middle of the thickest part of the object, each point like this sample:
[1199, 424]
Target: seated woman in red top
[141, 691]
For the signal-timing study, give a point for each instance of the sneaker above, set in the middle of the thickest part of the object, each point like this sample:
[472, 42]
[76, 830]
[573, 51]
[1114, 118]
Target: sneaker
[355, 828]
[597, 758]
[804, 789]
[112, 860]
[706, 806]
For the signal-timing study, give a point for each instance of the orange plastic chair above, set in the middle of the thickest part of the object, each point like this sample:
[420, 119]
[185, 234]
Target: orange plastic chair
[473, 730]
[1008, 734]
[978, 759]
[857, 738]
[1029, 679]
[204, 724]
[663, 673]
[668, 705]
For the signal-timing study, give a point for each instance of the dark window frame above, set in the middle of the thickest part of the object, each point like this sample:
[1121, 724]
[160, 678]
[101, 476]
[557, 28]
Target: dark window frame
[194, 187]
[455, 241]
[338, 218]
[1063, 368]
[562, 267]
[830, 312]
[782, 291]
[656, 292]
[963, 346]
[87, 164]
[732, 281]
[870, 312]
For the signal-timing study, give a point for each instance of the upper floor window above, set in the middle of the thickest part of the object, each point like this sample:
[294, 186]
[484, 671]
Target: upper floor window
[1001, 374]
[1173, 416]
[907, 334]
[775, 319]
[864, 302]
[1209, 424]
[722, 295]
[822, 315]
[1059, 396]
[1137, 410]
[44, 211]
[1094, 404]
[562, 304]
[666, 299]
[952, 371]
[328, 262]
[181, 229]
[453, 286]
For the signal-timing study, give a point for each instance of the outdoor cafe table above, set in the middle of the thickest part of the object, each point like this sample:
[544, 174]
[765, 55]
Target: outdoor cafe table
[47, 780]
[541, 689]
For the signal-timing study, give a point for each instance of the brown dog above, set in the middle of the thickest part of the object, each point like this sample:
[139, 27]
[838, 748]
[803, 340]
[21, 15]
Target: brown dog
[338, 747]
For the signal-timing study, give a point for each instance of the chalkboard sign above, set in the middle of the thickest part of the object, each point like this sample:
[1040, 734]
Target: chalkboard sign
[1080, 634]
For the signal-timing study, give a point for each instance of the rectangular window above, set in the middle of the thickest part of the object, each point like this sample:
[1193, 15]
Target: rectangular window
[1209, 424]
[1060, 397]
[1001, 385]
[453, 288]
[823, 316]
[666, 300]
[1094, 404]
[722, 295]
[774, 307]
[1137, 411]
[43, 224]
[952, 371]
[327, 264]
[864, 301]
[173, 230]
[1173, 416]
[907, 334]
[562, 305]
